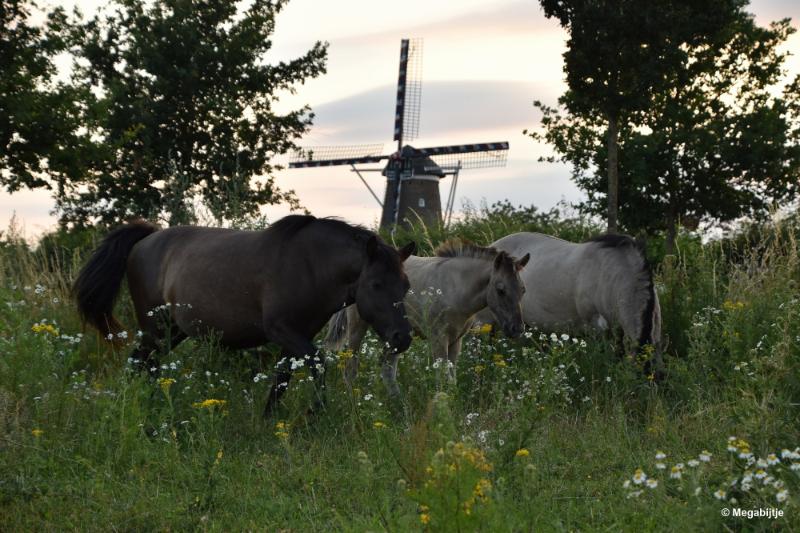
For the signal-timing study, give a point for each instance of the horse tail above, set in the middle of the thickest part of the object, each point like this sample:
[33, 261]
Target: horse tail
[336, 338]
[96, 288]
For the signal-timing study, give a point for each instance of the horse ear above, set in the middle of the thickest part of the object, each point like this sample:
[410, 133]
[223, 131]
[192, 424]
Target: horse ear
[407, 250]
[524, 261]
[372, 247]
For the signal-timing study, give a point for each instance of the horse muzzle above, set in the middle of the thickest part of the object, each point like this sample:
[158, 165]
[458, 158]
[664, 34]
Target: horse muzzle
[399, 341]
[514, 330]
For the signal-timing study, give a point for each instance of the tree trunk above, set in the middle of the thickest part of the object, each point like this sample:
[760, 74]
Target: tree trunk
[612, 138]
[672, 231]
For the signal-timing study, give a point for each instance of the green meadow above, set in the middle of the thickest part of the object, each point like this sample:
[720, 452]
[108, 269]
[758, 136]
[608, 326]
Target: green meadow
[551, 432]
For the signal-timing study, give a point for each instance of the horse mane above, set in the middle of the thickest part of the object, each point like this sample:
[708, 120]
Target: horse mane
[462, 248]
[288, 226]
[615, 240]
[618, 241]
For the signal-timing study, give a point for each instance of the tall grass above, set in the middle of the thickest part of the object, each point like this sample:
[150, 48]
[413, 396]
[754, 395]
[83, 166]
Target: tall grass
[551, 432]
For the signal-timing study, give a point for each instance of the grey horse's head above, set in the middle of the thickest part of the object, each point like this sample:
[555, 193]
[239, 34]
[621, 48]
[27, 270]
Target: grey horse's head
[504, 293]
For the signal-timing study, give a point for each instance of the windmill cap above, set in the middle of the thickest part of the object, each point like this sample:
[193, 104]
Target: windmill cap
[421, 165]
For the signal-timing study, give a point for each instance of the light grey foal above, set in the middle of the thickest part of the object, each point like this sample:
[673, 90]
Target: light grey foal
[447, 290]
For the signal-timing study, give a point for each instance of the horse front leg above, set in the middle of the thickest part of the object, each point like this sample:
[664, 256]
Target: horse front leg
[356, 330]
[293, 345]
[389, 373]
[453, 351]
[440, 348]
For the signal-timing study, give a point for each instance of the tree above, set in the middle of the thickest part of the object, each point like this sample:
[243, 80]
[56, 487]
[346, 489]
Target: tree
[39, 116]
[185, 110]
[715, 145]
[620, 52]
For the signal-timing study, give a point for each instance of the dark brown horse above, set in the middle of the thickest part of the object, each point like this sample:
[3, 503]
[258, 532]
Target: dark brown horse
[281, 284]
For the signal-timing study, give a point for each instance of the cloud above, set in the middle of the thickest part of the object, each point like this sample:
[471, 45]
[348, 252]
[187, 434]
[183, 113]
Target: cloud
[767, 11]
[366, 22]
[450, 107]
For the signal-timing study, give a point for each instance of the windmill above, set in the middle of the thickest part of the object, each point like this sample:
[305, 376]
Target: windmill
[412, 174]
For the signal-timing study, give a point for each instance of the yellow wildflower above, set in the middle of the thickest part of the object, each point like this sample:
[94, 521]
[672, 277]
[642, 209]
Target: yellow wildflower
[46, 328]
[209, 404]
[729, 305]
[165, 384]
[483, 329]
[482, 488]
[478, 368]
[344, 356]
[37, 433]
[499, 361]
[425, 518]
[282, 430]
[523, 452]
[378, 424]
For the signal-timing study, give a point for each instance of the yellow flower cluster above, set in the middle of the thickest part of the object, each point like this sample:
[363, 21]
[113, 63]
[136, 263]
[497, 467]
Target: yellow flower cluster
[44, 328]
[482, 330]
[282, 430]
[479, 494]
[209, 404]
[523, 452]
[740, 446]
[37, 433]
[166, 383]
[458, 468]
[729, 305]
[343, 356]
[424, 515]
[499, 361]
[378, 424]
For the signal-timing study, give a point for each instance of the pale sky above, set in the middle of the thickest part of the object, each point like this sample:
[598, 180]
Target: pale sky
[484, 62]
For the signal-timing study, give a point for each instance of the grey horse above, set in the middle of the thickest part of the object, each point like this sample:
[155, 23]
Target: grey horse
[602, 283]
[447, 290]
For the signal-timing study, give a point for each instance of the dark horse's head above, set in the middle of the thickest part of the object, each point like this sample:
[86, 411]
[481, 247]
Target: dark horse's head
[504, 293]
[380, 291]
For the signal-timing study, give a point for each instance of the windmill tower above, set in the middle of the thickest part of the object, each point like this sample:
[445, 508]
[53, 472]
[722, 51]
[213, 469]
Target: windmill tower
[412, 174]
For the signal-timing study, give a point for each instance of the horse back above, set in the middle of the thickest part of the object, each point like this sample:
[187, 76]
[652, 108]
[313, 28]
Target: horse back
[217, 276]
[561, 279]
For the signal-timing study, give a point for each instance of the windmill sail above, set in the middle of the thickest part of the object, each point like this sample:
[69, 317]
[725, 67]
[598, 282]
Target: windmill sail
[409, 91]
[326, 156]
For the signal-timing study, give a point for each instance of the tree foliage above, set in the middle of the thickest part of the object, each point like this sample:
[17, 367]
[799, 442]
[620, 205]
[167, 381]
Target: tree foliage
[39, 115]
[621, 52]
[184, 110]
[713, 142]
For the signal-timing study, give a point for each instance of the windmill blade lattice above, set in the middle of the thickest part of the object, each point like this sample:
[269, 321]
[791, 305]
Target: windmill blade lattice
[460, 149]
[409, 91]
[325, 156]
[473, 160]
